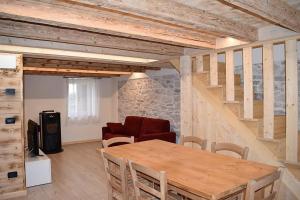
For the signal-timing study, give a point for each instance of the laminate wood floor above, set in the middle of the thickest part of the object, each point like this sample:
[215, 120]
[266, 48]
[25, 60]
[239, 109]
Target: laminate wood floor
[77, 173]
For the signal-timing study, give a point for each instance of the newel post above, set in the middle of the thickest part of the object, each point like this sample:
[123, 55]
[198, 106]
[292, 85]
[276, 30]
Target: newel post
[186, 96]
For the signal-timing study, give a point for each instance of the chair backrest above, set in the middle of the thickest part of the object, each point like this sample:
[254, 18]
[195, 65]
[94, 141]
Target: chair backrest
[268, 181]
[115, 140]
[138, 172]
[192, 139]
[115, 170]
[242, 151]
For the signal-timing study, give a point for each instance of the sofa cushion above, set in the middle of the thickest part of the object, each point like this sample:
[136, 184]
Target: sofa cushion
[168, 136]
[116, 128]
[108, 136]
[132, 125]
[150, 125]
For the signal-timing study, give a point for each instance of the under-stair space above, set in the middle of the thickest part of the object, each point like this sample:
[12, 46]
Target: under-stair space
[268, 126]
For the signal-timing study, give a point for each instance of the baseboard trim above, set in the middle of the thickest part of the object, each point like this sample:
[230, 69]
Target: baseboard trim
[80, 142]
[16, 194]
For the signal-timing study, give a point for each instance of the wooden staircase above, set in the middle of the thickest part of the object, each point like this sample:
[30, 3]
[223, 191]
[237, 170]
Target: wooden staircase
[276, 145]
[238, 116]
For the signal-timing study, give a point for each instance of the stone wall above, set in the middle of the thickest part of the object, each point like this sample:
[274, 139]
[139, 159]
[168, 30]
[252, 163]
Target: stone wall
[157, 97]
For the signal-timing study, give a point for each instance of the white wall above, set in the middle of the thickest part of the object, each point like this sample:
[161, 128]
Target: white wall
[50, 92]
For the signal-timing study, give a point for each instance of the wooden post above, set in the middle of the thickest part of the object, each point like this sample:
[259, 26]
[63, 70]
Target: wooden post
[268, 81]
[12, 135]
[186, 96]
[213, 69]
[248, 83]
[291, 101]
[199, 64]
[229, 76]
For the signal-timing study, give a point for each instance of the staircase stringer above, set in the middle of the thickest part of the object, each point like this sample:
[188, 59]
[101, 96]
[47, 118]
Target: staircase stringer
[234, 120]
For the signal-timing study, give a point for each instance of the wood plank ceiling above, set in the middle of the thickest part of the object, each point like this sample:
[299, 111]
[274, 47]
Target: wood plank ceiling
[150, 29]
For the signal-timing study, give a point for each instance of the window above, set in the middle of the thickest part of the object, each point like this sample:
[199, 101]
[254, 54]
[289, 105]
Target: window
[83, 101]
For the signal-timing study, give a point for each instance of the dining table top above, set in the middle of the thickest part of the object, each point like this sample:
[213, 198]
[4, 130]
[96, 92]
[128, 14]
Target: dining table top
[199, 172]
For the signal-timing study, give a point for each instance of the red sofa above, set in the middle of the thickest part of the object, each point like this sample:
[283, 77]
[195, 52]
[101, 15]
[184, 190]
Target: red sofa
[142, 128]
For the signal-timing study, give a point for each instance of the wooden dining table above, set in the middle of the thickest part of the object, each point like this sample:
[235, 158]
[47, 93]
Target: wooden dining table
[198, 173]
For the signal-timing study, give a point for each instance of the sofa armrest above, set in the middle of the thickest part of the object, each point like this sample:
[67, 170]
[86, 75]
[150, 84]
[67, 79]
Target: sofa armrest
[166, 136]
[105, 130]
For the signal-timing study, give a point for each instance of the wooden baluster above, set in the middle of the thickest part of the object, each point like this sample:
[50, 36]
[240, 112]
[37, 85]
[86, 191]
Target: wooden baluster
[199, 64]
[291, 101]
[213, 69]
[248, 83]
[268, 81]
[229, 76]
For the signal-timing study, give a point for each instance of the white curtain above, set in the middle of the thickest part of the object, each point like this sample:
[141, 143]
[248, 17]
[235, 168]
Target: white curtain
[83, 100]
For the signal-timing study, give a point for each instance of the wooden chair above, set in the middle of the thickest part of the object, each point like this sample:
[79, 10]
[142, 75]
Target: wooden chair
[192, 139]
[109, 142]
[145, 190]
[115, 170]
[243, 152]
[254, 186]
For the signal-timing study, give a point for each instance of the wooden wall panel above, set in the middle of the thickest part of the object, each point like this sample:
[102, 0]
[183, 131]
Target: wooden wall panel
[10, 107]
[12, 135]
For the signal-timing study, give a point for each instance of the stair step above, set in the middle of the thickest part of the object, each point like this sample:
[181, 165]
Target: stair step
[222, 79]
[217, 91]
[206, 62]
[276, 141]
[239, 93]
[279, 126]
[203, 76]
[283, 158]
[237, 108]
[255, 125]
[294, 168]
[234, 106]
[277, 146]
[258, 109]
[221, 67]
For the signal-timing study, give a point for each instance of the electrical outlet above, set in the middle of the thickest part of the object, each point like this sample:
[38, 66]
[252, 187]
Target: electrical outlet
[13, 174]
[10, 91]
[10, 120]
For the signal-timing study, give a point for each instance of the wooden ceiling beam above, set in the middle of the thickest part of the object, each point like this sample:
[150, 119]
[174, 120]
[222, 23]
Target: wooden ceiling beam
[114, 23]
[83, 65]
[42, 44]
[14, 28]
[69, 74]
[67, 71]
[168, 11]
[274, 11]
